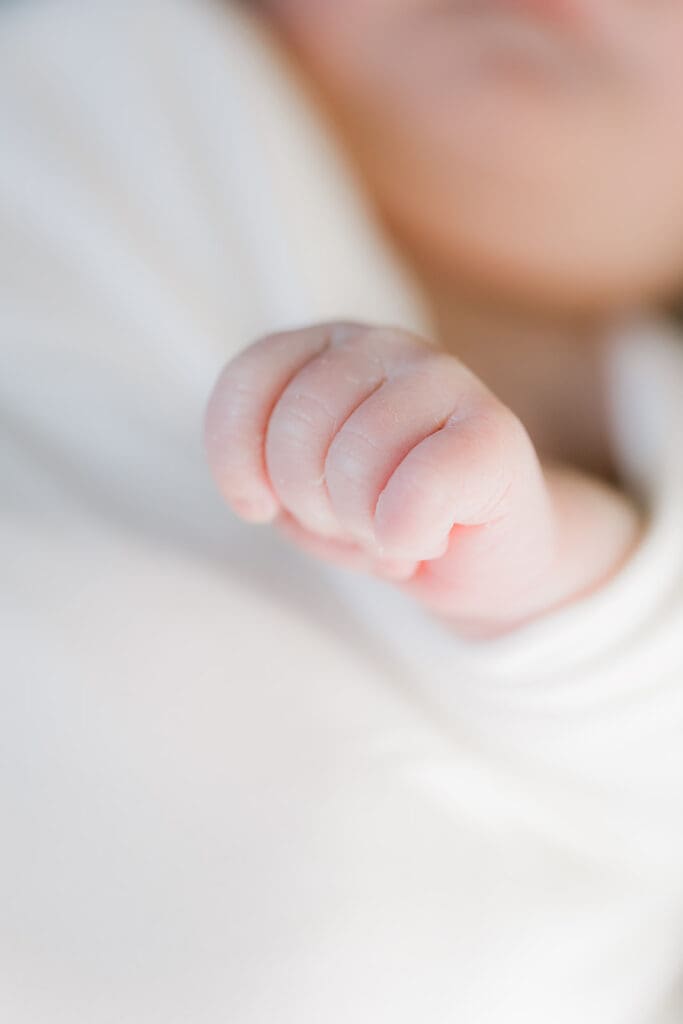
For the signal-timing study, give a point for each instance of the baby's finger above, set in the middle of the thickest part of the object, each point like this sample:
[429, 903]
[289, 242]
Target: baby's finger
[473, 471]
[314, 406]
[239, 410]
[415, 402]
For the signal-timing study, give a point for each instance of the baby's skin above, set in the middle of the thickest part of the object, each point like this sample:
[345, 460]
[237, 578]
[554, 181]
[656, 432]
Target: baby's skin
[372, 448]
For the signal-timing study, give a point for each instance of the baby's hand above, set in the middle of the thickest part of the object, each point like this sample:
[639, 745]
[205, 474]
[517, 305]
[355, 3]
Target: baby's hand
[372, 448]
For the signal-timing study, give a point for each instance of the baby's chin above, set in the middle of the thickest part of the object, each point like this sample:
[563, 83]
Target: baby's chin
[555, 241]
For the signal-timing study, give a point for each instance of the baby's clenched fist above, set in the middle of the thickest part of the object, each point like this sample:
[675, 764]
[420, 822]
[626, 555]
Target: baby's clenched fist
[375, 449]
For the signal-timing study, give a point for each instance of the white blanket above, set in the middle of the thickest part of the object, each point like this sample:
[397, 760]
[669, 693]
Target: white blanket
[237, 786]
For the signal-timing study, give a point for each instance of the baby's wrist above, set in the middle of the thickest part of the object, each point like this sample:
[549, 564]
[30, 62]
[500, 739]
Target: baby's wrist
[597, 529]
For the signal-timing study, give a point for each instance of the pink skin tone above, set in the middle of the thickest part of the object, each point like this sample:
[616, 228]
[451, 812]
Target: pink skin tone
[372, 449]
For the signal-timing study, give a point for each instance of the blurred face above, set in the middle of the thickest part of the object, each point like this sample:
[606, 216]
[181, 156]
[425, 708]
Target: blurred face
[529, 147]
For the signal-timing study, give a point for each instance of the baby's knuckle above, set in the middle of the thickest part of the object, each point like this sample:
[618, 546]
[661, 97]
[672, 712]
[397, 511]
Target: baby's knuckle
[240, 384]
[382, 341]
[500, 428]
[503, 448]
[298, 416]
[349, 456]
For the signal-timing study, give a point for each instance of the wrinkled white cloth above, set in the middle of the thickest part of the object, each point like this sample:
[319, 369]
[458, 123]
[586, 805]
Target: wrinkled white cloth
[237, 785]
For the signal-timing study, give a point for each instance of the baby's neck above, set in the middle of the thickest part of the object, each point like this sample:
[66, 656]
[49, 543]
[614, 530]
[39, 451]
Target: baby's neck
[549, 373]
